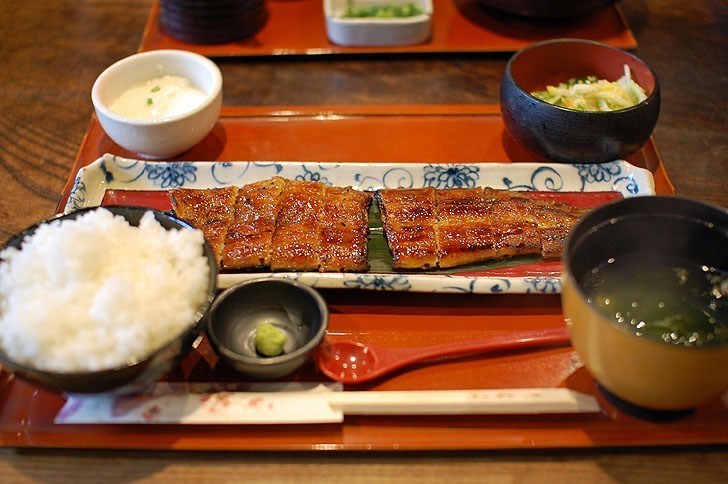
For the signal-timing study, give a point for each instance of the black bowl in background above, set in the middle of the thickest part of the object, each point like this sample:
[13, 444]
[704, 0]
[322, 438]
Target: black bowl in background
[566, 135]
[128, 378]
[547, 9]
[214, 21]
[295, 308]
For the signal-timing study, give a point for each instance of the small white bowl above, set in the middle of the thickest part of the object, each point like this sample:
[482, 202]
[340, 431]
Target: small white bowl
[166, 137]
[372, 31]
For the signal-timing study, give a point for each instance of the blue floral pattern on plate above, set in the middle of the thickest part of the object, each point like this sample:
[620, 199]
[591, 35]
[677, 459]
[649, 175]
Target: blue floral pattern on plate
[451, 176]
[117, 173]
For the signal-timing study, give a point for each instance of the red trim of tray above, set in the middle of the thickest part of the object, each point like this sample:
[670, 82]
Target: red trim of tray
[394, 319]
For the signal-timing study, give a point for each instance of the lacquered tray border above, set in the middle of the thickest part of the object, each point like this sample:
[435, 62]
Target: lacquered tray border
[707, 426]
[361, 433]
[154, 38]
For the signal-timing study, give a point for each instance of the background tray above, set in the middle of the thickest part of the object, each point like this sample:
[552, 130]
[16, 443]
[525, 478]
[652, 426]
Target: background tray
[296, 27]
[464, 133]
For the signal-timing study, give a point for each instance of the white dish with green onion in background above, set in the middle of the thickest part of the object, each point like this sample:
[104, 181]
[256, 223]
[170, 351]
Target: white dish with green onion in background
[362, 23]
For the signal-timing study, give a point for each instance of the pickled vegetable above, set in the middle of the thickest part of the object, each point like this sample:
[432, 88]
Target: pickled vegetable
[592, 94]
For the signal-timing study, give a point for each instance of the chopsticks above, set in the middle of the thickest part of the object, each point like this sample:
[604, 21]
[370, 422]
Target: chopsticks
[463, 402]
[295, 403]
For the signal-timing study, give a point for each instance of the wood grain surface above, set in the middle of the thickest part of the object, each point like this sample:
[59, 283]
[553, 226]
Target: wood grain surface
[50, 54]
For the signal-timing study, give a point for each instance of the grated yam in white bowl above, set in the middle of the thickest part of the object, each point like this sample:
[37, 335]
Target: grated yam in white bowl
[95, 293]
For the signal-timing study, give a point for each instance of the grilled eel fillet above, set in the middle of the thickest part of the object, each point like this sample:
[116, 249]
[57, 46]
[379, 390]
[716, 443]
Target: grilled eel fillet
[427, 228]
[249, 235]
[281, 224]
[209, 210]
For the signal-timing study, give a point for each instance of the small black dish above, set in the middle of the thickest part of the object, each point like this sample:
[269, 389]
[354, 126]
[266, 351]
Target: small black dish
[295, 308]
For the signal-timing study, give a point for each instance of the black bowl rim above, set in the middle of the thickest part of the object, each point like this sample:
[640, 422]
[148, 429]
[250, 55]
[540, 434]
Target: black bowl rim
[138, 361]
[519, 12]
[310, 345]
[575, 112]
[651, 203]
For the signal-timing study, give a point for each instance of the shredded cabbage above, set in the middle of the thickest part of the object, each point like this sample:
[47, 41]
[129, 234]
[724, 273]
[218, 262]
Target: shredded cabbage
[592, 94]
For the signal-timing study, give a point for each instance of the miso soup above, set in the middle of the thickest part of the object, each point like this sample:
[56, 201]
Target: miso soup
[676, 301]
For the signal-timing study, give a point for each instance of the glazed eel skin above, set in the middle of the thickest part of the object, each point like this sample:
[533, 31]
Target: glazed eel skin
[428, 228]
[286, 225]
[281, 225]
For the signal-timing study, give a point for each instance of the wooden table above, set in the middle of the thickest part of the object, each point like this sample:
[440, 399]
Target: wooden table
[50, 54]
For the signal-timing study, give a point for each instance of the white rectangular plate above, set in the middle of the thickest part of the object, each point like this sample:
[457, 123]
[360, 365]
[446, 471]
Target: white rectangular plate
[115, 173]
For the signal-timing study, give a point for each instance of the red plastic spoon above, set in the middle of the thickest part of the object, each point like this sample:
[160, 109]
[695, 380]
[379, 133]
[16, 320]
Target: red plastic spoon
[350, 362]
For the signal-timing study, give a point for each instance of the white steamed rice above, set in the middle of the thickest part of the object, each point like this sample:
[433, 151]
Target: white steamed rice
[96, 293]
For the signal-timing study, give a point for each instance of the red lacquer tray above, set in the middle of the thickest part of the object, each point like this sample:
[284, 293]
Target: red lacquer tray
[423, 134]
[297, 27]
